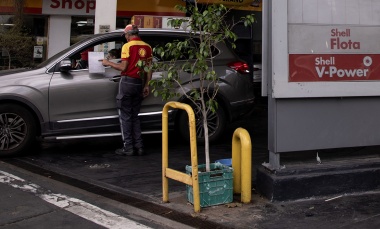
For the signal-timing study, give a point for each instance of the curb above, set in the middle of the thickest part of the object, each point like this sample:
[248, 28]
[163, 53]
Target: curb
[311, 180]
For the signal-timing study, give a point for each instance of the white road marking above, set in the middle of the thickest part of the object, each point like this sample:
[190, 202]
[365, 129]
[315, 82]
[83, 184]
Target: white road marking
[73, 205]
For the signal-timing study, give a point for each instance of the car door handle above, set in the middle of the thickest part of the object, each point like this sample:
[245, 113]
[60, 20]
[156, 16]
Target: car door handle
[115, 78]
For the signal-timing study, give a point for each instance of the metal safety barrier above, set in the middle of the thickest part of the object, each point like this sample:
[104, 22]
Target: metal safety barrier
[167, 172]
[242, 164]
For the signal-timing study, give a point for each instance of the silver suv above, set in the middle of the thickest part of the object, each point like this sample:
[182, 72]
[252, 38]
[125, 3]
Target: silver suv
[56, 100]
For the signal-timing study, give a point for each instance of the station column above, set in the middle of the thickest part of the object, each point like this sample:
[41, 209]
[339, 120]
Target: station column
[105, 18]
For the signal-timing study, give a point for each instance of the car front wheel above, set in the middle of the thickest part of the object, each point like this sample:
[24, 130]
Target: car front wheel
[17, 129]
[216, 123]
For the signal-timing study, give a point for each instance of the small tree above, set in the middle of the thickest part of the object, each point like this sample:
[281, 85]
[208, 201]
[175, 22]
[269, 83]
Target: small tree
[18, 47]
[205, 29]
[15, 42]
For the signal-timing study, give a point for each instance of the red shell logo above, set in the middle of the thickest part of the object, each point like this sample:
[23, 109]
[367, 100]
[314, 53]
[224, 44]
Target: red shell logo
[142, 52]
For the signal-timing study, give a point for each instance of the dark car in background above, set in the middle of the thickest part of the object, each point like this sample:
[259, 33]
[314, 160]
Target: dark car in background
[57, 101]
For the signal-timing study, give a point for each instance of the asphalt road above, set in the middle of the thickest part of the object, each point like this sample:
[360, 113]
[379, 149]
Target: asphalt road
[32, 201]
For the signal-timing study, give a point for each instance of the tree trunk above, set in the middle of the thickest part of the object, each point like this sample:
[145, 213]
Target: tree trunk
[205, 128]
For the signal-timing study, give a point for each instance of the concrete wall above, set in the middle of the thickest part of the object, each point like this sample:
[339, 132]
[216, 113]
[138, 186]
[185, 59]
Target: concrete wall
[308, 124]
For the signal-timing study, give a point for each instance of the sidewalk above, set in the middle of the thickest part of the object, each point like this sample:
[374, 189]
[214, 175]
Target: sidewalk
[92, 165]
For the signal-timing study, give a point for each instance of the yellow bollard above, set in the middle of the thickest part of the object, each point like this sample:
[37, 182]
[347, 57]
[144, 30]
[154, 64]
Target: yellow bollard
[242, 164]
[174, 174]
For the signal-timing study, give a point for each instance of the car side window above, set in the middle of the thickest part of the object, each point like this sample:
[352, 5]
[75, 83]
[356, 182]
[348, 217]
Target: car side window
[161, 41]
[82, 61]
[79, 59]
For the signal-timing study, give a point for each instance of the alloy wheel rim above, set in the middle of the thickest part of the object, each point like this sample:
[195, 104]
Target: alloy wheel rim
[212, 123]
[13, 130]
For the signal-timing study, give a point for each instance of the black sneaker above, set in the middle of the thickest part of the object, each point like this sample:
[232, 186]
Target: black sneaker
[140, 152]
[124, 152]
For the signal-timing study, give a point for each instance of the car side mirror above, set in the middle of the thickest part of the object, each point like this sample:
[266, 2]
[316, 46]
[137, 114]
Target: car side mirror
[65, 65]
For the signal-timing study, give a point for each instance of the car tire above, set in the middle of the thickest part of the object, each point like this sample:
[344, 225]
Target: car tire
[216, 124]
[17, 129]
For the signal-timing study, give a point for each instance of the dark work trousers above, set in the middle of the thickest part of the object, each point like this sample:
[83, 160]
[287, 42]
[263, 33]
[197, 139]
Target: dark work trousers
[129, 101]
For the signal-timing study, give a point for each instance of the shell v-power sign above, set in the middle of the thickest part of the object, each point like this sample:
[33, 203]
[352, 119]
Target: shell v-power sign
[334, 53]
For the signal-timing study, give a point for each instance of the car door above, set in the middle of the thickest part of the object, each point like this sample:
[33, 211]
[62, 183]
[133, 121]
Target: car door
[82, 101]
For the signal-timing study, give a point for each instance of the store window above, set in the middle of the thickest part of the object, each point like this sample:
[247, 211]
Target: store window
[81, 27]
[26, 47]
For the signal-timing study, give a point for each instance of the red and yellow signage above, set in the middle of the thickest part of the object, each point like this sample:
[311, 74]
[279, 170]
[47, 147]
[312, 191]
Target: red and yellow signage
[149, 7]
[227, 2]
[248, 5]
[126, 8]
[31, 6]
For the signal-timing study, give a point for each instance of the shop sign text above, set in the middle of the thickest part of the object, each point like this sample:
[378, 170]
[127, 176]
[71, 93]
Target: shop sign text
[341, 40]
[69, 7]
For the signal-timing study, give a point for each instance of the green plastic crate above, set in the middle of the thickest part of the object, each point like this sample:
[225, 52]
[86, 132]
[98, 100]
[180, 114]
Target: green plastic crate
[215, 187]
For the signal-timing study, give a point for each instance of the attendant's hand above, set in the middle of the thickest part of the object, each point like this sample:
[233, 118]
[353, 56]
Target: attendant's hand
[105, 62]
[146, 91]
